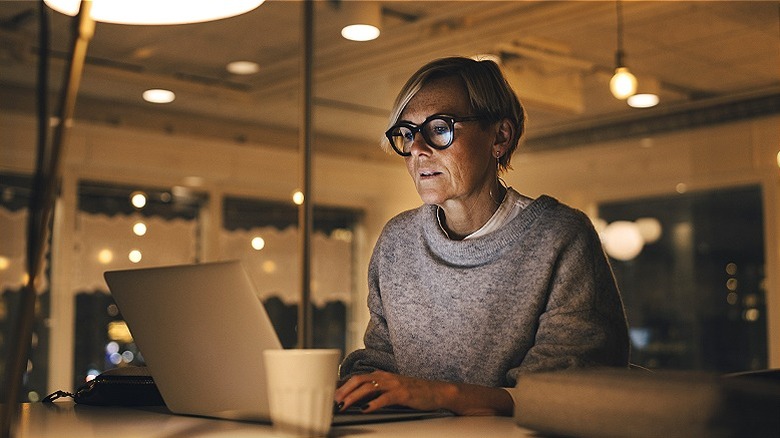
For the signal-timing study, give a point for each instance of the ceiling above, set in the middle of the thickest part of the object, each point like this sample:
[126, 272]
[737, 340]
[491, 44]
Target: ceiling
[706, 57]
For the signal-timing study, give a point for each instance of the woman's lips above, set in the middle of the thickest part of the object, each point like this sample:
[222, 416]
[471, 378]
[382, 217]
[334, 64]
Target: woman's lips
[429, 173]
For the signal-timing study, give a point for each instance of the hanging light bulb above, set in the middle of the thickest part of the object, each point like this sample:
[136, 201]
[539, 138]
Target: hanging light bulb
[623, 83]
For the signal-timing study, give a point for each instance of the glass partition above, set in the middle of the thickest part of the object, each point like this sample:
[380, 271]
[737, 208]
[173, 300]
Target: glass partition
[14, 207]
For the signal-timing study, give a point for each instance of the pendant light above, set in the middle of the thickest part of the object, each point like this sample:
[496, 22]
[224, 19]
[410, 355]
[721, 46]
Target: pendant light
[647, 93]
[157, 11]
[363, 20]
[623, 83]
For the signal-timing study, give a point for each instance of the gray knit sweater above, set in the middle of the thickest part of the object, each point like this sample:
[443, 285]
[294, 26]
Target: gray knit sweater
[537, 294]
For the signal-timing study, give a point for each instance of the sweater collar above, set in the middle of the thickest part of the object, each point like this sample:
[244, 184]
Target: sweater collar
[473, 252]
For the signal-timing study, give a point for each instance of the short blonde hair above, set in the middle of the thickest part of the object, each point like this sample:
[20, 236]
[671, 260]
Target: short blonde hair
[488, 91]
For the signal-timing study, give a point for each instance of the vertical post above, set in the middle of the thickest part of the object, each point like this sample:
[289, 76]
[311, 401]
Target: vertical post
[44, 195]
[305, 210]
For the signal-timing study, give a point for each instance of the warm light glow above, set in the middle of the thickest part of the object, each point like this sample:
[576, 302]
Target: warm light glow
[135, 256]
[118, 331]
[361, 20]
[644, 100]
[157, 95]
[138, 199]
[622, 240]
[243, 67]
[649, 228]
[623, 84]
[158, 11]
[105, 256]
[5, 262]
[778, 159]
[360, 32]
[297, 197]
[269, 266]
[341, 234]
[599, 224]
[681, 188]
[258, 243]
[139, 228]
[193, 181]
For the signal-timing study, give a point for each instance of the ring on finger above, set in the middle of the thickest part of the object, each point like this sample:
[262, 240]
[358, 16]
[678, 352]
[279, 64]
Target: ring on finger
[375, 384]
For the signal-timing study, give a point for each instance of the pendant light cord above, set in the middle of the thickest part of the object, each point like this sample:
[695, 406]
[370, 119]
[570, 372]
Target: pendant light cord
[619, 53]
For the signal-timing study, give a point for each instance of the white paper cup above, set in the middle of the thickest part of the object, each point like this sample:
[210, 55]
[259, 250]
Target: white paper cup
[300, 385]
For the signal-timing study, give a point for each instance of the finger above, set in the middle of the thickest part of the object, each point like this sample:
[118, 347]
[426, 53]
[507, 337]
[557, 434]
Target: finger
[384, 399]
[353, 383]
[345, 388]
[350, 385]
[360, 390]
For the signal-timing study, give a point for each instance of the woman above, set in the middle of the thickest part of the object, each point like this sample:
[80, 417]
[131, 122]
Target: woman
[481, 283]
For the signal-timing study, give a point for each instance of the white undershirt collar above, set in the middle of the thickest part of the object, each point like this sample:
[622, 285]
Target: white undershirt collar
[510, 207]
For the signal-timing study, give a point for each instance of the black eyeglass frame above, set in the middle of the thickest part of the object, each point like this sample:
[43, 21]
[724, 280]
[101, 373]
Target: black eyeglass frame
[450, 120]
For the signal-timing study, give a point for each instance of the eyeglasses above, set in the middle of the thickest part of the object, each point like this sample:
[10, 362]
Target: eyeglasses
[438, 131]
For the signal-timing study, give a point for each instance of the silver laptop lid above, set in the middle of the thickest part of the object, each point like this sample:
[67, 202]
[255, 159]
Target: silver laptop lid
[202, 331]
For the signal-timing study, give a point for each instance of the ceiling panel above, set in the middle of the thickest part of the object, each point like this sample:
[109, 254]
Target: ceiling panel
[698, 49]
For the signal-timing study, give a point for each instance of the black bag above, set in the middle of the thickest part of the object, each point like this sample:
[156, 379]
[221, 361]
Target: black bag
[126, 386]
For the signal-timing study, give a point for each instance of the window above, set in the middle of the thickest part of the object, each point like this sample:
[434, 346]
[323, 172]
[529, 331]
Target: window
[116, 230]
[122, 227]
[264, 236]
[695, 297]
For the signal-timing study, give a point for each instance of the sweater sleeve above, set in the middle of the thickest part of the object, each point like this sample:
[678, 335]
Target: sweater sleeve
[378, 351]
[583, 323]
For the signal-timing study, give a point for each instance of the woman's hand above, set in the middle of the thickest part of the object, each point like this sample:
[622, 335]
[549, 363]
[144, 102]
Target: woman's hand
[380, 389]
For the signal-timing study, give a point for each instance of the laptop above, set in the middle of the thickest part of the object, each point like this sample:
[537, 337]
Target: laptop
[202, 331]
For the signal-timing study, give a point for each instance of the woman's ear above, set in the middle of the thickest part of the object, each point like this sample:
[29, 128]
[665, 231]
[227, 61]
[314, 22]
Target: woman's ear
[504, 134]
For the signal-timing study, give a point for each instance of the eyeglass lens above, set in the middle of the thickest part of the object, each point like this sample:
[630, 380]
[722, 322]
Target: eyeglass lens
[437, 132]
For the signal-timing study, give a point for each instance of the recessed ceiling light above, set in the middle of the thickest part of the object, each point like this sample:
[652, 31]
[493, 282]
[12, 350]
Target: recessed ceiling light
[157, 95]
[243, 67]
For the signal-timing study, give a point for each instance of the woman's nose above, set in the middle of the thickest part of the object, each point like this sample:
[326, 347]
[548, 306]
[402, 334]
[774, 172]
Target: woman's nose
[419, 145]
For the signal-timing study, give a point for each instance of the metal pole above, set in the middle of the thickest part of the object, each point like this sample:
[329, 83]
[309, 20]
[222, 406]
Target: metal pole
[305, 210]
[47, 176]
